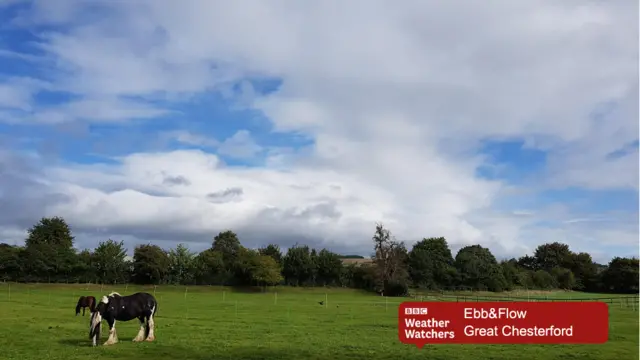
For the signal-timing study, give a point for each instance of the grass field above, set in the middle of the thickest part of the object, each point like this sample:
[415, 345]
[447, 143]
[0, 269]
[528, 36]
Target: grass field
[38, 322]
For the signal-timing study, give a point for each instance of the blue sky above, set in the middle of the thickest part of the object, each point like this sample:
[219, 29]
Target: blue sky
[289, 134]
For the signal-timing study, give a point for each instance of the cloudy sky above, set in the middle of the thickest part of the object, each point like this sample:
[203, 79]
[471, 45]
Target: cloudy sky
[503, 123]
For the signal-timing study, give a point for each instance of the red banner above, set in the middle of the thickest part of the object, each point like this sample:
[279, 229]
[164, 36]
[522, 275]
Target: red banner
[422, 323]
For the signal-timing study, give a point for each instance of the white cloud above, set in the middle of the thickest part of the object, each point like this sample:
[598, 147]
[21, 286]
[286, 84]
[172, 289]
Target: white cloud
[240, 145]
[16, 93]
[395, 98]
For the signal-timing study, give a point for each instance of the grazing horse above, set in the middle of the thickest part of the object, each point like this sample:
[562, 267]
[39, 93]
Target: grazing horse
[115, 307]
[85, 302]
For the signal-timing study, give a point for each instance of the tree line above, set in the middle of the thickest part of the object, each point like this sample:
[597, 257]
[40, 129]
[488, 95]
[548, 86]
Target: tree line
[48, 255]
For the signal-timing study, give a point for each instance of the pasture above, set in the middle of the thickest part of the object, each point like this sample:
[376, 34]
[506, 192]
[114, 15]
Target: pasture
[38, 322]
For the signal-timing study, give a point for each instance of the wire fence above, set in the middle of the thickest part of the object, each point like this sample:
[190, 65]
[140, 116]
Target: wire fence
[38, 292]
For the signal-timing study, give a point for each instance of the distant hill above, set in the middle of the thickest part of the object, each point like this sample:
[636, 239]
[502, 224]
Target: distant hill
[351, 257]
[359, 260]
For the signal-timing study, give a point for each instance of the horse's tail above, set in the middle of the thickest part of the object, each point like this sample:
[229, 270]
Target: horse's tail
[92, 303]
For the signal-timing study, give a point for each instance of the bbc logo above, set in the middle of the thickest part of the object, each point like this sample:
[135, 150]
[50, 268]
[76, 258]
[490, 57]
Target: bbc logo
[415, 311]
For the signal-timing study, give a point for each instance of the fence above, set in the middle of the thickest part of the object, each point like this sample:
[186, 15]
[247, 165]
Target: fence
[627, 301]
[336, 296]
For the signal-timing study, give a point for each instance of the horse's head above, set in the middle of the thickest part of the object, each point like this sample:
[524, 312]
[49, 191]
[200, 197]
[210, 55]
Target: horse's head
[96, 317]
[79, 305]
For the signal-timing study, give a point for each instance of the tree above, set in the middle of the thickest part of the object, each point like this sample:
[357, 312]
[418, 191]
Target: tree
[181, 265]
[512, 274]
[329, 267]
[585, 271]
[84, 270]
[621, 276]
[227, 244]
[542, 279]
[49, 248]
[150, 264]
[108, 260]
[297, 265]
[563, 278]
[209, 268]
[243, 266]
[51, 231]
[10, 265]
[478, 269]
[274, 251]
[431, 264]
[49, 255]
[265, 270]
[38, 262]
[390, 260]
[551, 255]
[529, 263]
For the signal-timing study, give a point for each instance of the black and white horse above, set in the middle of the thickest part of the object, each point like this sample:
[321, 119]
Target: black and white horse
[115, 307]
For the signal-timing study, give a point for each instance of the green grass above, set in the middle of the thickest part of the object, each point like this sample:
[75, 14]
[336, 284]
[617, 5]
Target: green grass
[38, 322]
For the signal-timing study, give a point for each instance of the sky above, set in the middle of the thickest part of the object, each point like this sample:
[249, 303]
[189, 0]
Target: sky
[502, 123]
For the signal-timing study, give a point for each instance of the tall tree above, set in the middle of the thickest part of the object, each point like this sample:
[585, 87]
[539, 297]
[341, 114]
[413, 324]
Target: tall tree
[529, 263]
[181, 265]
[227, 244]
[210, 269]
[390, 260]
[551, 255]
[108, 260]
[10, 265]
[297, 265]
[150, 264]
[243, 266]
[265, 270]
[479, 269]
[49, 249]
[52, 231]
[563, 278]
[274, 251]
[621, 276]
[329, 267]
[431, 264]
[585, 271]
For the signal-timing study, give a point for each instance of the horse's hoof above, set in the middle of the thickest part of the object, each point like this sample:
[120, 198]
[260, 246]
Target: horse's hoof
[150, 339]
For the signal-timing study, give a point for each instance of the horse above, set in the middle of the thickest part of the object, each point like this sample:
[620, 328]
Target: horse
[85, 302]
[115, 307]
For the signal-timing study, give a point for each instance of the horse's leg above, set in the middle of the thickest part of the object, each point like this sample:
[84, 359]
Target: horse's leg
[83, 308]
[113, 338]
[141, 333]
[151, 325]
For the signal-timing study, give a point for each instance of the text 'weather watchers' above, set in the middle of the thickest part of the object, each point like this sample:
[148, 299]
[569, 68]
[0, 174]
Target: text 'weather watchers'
[422, 323]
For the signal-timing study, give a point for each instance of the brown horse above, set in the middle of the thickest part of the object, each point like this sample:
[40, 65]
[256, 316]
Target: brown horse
[86, 302]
